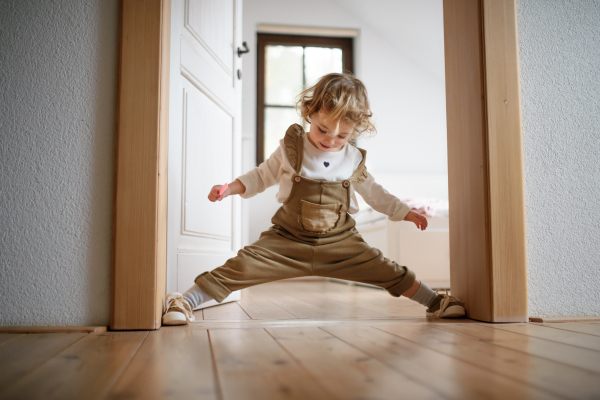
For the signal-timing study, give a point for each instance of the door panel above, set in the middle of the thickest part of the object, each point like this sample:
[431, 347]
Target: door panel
[212, 24]
[204, 138]
[208, 156]
[197, 63]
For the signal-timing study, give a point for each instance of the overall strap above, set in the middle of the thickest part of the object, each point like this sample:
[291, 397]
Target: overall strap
[360, 174]
[294, 143]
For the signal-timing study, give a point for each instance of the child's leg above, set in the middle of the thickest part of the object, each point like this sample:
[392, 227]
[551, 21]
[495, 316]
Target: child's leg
[270, 258]
[353, 259]
[421, 293]
[196, 296]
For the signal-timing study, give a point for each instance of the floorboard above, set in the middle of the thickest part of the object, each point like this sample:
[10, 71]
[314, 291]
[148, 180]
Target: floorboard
[343, 369]
[446, 375]
[309, 339]
[546, 375]
[28, 351]
[227, 311]
[252, 365]
[85, 370]
[570, 355]
[171, 363]
[260, 308]
[7, 337]
[298, 308]
[555, 335]
[575, 327]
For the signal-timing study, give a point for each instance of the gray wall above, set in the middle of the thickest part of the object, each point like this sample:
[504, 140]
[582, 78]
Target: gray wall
[58, 64]
[560, 87]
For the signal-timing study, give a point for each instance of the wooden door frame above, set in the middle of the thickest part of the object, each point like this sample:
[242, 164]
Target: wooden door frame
[485, 162]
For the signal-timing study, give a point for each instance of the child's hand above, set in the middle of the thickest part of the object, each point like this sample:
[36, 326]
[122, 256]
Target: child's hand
[214, 193]
[419, 220]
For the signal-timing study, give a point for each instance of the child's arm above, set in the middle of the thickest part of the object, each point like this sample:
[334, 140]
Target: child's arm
[236, 187]
[265, 175]
[384, 202]
[255, 181]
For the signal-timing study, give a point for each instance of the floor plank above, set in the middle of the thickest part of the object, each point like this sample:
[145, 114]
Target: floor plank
[173, 362]
[324, 301]
[251, 365]
[259, 307]
[310, 340]
[28, 351]
[366, 299]
[380, 301]
[85, 370]
[546, 375]
[345, 370]
[279, 323]
[53, 329]
[565, 319]
[588, 329]
[556, 335]
[198, 315]
[575, 356]
[7, 337]
[228, 311]
[447, 375]
[296, 307]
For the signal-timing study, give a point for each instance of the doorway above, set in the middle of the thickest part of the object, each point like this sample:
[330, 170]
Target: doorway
[485, 162]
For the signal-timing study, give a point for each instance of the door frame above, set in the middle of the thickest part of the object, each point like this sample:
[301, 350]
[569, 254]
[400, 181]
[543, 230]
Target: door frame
[485, 162]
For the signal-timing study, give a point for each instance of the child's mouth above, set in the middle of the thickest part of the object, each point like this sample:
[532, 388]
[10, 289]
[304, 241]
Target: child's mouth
[322, 145]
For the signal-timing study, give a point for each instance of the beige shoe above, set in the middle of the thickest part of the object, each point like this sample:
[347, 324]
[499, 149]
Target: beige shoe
[179, 311]
[446, 306]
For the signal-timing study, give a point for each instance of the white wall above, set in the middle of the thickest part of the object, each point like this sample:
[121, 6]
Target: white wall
[399, 57]
[58, 64]
[560, 85]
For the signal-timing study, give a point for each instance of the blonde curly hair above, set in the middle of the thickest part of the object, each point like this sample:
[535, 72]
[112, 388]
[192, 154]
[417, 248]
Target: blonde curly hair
[343, 97]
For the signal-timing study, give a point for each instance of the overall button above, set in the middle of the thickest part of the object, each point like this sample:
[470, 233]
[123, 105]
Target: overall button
[346, 184]
[297, 179]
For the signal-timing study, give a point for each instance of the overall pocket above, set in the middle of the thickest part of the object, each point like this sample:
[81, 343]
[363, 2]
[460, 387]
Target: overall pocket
[318, 218]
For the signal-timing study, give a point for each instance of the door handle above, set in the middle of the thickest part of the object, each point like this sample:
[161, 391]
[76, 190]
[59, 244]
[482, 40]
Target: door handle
[245, 50]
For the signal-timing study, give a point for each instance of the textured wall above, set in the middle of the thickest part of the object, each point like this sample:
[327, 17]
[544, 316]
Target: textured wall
[560, 84]
[58, 62]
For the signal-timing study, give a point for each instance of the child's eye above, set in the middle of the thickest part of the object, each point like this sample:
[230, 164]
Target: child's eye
[321, 130]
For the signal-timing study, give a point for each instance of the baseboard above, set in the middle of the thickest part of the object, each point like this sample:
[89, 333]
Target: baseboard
[564, 319]
[52, 329]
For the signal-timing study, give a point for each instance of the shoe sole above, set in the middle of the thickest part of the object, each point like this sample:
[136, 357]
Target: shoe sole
[450, 312]
[174, 318]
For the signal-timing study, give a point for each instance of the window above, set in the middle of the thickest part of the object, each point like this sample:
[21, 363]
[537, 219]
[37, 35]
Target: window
[288, 64]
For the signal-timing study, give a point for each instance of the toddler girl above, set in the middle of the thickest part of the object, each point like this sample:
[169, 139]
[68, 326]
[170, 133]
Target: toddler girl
[313, 232]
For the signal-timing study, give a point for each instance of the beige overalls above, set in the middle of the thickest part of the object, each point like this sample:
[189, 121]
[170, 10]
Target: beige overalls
[312, 234]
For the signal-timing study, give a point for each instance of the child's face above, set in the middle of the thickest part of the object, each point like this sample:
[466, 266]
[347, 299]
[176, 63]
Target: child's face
[325, 135]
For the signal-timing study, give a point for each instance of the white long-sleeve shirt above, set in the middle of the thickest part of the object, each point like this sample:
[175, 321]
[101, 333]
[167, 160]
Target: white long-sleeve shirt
[327, 166]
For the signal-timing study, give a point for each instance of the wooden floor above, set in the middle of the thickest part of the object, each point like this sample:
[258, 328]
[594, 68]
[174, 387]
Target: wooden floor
[309, 340]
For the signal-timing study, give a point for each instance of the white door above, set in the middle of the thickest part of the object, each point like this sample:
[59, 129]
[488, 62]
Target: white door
[204, 138]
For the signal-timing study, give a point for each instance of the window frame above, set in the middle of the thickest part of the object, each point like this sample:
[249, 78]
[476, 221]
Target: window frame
[265, 39]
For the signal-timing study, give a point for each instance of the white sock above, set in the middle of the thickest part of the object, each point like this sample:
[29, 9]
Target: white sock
[424, 295]
[196, 296]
